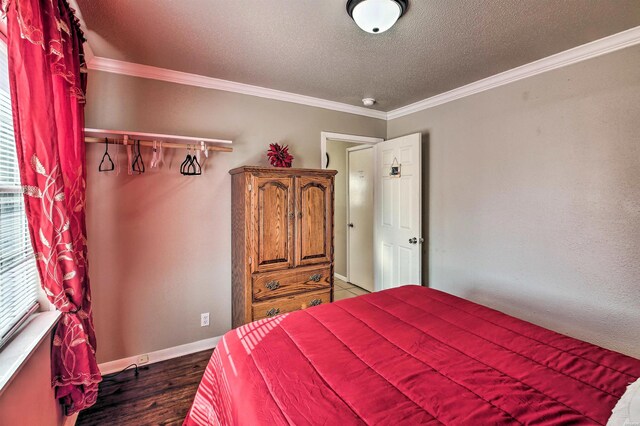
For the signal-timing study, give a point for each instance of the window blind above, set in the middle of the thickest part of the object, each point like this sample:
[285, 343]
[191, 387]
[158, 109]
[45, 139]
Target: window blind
[19, 279]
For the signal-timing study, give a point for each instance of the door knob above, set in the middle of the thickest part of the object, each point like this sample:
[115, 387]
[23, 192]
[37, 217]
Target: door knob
[350, 225]
[413, 240]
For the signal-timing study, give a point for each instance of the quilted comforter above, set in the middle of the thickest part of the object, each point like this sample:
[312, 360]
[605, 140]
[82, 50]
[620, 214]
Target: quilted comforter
[407, 356]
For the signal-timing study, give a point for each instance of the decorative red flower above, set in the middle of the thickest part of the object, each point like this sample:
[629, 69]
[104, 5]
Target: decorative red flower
[279, 155]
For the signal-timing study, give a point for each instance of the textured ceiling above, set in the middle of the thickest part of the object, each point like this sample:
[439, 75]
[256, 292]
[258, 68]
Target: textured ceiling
[312, 47]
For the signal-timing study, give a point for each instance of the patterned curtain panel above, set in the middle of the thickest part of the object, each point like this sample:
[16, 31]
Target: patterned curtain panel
[48, 79]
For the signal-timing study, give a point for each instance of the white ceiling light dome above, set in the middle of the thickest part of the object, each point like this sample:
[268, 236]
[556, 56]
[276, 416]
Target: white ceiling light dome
[376, 16]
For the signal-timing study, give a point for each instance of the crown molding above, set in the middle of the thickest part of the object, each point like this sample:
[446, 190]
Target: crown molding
[590, 50]
[99, 63]
[577, 54]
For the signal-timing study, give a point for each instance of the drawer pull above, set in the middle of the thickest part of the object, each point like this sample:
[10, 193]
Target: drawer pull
[315, 277]
[272, 285]
[273, 311]
[315, 302]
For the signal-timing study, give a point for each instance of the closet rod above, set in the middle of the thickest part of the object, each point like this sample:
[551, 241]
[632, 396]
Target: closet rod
[195, 146]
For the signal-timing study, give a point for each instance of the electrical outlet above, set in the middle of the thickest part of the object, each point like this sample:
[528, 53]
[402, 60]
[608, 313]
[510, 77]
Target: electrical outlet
[204, 319]
[142, 359]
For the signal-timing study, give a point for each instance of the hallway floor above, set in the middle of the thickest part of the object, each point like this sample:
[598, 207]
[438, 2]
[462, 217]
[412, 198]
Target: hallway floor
[344, 290]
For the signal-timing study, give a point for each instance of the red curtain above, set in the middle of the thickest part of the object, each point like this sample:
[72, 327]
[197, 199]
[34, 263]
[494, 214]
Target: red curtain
[48, 80]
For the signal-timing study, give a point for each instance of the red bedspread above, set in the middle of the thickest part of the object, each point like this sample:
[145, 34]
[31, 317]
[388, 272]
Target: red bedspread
[408, 355]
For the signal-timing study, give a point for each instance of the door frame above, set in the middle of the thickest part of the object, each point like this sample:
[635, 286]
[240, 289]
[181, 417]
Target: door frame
[358, 148]
[343, 137]
[324, 136]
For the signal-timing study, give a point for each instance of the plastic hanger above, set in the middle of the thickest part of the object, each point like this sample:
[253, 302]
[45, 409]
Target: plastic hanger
[138, 163]
[106, 157]
[154, 157]
[195, 163]
[204, 149]
[187, 160]
[117, 159]
[160, 155]
[190, 166]
[125, 142]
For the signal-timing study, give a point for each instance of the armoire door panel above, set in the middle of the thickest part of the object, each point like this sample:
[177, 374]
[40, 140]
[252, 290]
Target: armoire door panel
[273, 225]
[313, 226]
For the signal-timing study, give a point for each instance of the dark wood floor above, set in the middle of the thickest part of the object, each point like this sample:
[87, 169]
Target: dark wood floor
[160, 395]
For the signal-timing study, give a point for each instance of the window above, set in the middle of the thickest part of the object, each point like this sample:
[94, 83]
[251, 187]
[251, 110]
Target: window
[19, 280]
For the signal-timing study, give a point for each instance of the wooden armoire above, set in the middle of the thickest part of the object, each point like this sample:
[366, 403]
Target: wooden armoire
[282, 240]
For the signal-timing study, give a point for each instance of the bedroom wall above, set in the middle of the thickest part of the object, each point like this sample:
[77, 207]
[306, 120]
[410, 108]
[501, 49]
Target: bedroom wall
[160, 243]
[29, 399]
[337, 151]
[534, 195]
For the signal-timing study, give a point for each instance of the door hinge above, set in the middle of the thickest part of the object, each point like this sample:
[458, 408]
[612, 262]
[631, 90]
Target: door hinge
[250, 187]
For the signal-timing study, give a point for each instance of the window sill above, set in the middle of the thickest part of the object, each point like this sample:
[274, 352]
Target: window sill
[15, 354]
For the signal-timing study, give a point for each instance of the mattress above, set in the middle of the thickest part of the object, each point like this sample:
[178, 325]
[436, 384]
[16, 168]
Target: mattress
[407, 356]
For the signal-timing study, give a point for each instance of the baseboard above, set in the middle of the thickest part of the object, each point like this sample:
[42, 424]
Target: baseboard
[70, 420]
[161, 355]
[340, 277]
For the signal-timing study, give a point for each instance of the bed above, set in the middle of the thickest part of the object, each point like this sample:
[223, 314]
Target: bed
[408, 355]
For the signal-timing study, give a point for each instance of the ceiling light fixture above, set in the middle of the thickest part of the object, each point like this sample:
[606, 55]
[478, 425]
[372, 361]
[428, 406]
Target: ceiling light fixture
[376, 16]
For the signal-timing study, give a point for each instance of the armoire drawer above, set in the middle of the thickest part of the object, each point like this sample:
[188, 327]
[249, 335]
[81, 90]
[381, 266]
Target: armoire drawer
[290, 281]
[282, 305]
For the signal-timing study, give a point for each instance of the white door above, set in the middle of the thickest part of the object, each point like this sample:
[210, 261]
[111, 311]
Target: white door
[360, 216]
[398, 212]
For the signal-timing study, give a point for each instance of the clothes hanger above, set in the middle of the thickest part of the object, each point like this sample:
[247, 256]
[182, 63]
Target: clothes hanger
[187, 160]
[117, 159]
[138, 163]
[109, 166]
[190, 166]
[161, 155]
[201, 161]
[204, 149]
[154, 157]
[125, 142]
[197, 169]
